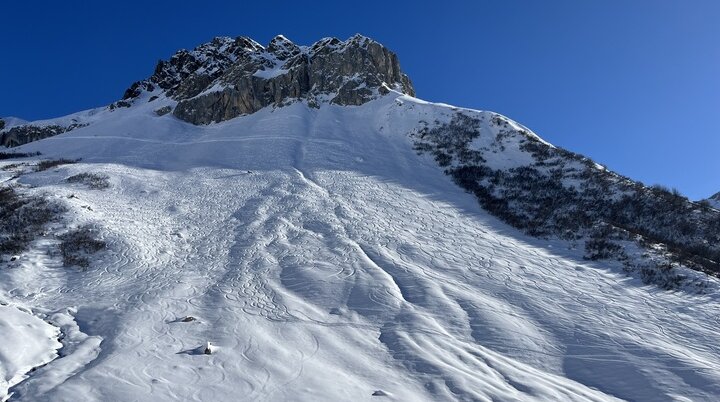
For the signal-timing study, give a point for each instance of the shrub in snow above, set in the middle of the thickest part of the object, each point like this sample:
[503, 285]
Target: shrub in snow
[12, 155]
[23, 218]
[77, 245]
[92, 180]
[51, 163]
[549, 191]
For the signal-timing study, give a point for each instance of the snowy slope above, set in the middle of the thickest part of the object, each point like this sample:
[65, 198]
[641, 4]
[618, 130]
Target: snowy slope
[326, 260]
[27, 342]
[11, 121]
[715, 200]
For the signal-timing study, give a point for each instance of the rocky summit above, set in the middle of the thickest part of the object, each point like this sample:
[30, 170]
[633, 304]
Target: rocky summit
[226, 77]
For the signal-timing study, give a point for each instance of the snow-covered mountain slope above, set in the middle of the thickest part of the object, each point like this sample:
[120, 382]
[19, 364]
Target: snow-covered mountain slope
[326, 260]
[27, 342]
[715, 200]
[549, 191]
[329, 249]
[227, 77]
[9, 122]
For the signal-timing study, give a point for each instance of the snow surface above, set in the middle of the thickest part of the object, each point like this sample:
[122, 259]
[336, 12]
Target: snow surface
[27, 342]
[323, 259]
[11, 122]
[715, 201]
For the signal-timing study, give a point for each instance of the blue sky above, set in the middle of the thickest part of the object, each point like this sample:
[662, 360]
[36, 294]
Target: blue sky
[633, 84]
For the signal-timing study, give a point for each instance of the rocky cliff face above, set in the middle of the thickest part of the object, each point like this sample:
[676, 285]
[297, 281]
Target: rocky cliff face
[23, 134]
[226, 78]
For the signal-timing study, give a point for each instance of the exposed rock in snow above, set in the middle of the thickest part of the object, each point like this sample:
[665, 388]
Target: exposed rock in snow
[163, 110]
[22, 134]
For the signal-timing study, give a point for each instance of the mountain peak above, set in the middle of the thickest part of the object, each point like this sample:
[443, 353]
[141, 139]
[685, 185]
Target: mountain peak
[278, 39]
[226, 77]
[283, 48]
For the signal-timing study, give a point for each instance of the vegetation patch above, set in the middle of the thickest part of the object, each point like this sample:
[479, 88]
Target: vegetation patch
[23, 219]
[566, 195]
[14, 155]
[12, 166]
[91, 180]
[76, 246]
[51, 163]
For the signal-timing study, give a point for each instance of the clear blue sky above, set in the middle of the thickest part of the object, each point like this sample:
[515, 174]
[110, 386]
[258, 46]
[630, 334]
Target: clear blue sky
[633, 84]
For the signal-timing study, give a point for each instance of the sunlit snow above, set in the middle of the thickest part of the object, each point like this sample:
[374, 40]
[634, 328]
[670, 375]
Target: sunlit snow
[323, 259]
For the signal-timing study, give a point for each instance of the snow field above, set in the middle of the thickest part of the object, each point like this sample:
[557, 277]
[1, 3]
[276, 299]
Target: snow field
[325, 260]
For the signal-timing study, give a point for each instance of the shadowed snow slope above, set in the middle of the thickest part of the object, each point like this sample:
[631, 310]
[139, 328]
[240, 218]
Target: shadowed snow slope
[325, 260]
[715, 200]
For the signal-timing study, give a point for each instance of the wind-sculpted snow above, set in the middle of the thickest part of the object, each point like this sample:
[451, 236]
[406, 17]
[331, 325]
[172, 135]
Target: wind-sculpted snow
[325, 260]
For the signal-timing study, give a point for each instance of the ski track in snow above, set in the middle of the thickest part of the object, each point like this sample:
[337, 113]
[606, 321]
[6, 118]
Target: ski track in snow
[326, 260]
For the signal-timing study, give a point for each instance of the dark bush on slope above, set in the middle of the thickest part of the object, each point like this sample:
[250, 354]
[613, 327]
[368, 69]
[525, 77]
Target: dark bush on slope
[76, 246]
[92, 180]
[51, 163]
[560, 193]
[22, 219]
[13, 155]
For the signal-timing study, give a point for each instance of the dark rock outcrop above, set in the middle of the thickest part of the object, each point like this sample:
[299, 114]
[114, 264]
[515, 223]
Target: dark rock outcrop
[24, 134]
[163, 110]
[2, 124]
[226, 78]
